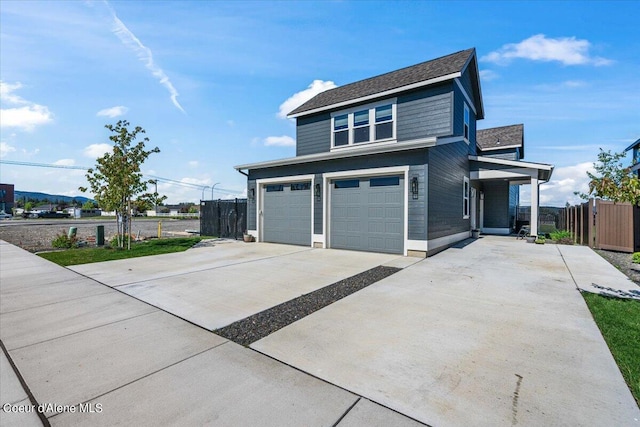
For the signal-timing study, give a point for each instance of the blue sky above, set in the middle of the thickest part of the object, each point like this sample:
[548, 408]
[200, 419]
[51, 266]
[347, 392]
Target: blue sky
[211, 81]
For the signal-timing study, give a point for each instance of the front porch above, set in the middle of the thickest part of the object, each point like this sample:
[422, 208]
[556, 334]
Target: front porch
[495, 192]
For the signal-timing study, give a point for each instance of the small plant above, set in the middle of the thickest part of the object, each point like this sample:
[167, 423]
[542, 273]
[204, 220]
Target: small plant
[63, 241]
[636, 257]
[541, 240]
[562, 237]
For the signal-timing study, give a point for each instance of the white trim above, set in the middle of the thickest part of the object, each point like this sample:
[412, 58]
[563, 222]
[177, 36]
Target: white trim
[466, 190]
[501, 230]
[261, 183]
[518, 163]
[466, 125]
[376, 95]
[319, 238]
[417, 245]
[503, 174]
[376, 148]
[500, 147]
[254, 233]
[466, 95]
[450, 139]
[371, 108]
[447, 240]
[363, 173]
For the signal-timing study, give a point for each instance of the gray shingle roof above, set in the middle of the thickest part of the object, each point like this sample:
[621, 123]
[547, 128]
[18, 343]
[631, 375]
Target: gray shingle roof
[504, 136]
[428, 70]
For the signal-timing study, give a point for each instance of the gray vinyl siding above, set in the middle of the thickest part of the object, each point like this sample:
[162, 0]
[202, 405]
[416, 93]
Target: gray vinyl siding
[448, 165]
[458, 119]
[514, 200]
[317, 206]
[251, 205]
[509, 154]
[404, 158]
[496, 204]
[313, 134]
[417, 221]
[465, 80]
[425, 113]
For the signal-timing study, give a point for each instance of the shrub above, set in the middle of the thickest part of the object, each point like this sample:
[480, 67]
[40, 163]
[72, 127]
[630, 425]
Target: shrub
[636, 257]
[63, 241]
[558, 235]
[114, 240]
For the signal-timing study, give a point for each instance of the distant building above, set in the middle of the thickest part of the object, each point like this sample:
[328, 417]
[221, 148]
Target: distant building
[7, 196]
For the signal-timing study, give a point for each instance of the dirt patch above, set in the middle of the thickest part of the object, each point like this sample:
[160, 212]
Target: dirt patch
[36, 235]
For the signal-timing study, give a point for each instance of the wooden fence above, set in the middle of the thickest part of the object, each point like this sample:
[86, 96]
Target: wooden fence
[602, 224]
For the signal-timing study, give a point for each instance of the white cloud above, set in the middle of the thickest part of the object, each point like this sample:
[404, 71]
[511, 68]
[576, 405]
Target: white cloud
[488, 75]
[145, 55]
[194, 164]
[113, 111]
[94, 151]
[559, 190]
[22, 114]
[6, 149]
[299, 98]
[65, 162]
[567, 50]
[279, 141]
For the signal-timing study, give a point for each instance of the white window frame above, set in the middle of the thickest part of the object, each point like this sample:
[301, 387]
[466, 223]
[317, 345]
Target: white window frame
[372, 124]
[466, 126]
[466, 199]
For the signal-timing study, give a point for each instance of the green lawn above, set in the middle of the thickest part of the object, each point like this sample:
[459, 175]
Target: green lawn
[619, 322]
[138, 249]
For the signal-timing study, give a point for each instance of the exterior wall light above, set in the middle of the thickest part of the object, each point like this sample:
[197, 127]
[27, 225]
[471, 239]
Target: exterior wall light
[316, 191]
[414, 187]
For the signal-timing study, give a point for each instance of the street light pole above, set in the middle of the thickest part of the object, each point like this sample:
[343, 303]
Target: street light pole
[214, 186]
[204, 188]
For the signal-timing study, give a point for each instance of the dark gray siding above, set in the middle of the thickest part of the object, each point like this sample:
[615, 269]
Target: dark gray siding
[317, 206]
[313, 134]
[514, 200]
[508, 154]
[425, 113]
[413, 157]
[496, 204]
[458, 119]
[448, 164]
[417, 221]
[251, 205]
[465, 80]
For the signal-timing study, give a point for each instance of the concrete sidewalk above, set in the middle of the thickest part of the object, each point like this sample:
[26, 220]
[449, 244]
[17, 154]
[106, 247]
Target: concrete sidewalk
[95, 356]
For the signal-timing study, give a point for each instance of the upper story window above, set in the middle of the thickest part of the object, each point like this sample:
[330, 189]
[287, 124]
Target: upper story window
[361, 125]
[466, 122]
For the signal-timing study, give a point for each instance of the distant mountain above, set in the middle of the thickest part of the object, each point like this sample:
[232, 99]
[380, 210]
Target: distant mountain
[20, 195]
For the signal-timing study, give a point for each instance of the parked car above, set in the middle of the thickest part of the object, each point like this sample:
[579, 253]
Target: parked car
[54, 214]
[4, 215]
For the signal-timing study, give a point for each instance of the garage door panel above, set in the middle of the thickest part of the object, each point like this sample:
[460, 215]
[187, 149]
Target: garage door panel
[287, 215]
[368, 217]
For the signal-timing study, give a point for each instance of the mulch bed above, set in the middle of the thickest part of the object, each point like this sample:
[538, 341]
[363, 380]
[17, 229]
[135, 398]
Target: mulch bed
[260, 325]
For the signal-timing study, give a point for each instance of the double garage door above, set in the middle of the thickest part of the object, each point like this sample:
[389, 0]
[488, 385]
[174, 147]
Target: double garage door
[366, 214]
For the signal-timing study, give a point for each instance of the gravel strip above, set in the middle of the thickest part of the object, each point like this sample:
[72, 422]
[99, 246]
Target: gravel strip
[260, 325]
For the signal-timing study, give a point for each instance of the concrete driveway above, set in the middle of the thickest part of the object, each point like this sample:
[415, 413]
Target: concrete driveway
[493, 333]
[215, 286]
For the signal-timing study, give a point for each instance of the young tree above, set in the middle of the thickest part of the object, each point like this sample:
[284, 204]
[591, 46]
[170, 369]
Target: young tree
[612, 181]
[116, 179]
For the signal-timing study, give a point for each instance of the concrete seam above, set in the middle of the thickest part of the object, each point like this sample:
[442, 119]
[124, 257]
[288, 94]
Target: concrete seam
[56, 302]
[148, 375]
[568, 269]
[25, 387]
[85, 330]
[346, 412]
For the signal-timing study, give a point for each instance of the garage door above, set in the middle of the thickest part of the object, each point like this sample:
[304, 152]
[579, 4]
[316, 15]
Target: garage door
[367, 214]
[286, 213]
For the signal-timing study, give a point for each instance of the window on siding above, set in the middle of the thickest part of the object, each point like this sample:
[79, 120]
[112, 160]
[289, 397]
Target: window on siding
[369, 124]
[466, 122]
[465, 198]
[341, 130]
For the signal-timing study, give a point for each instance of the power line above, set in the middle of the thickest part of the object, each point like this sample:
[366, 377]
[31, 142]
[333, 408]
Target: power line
[161, 179]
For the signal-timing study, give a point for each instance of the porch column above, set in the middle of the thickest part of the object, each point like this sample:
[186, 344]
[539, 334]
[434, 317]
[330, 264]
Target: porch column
[534, 206]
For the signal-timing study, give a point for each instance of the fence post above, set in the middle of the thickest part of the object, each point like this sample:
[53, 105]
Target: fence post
[595, 225]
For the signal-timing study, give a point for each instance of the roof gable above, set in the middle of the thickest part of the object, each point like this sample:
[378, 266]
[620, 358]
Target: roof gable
[440, 69]
[499, 138]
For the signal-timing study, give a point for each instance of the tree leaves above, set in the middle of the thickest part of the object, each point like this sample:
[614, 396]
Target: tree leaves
[612, 181]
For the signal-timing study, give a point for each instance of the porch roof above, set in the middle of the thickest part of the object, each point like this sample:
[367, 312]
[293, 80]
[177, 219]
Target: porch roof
[483, 168]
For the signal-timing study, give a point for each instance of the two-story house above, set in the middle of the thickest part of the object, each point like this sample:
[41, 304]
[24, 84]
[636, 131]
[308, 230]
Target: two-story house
[394, 164]
[635, 160]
